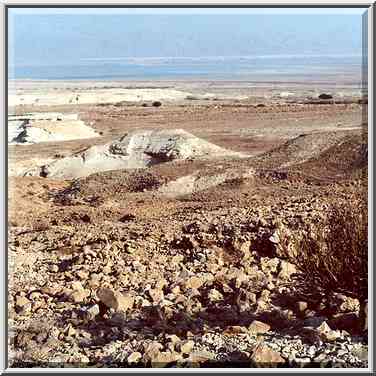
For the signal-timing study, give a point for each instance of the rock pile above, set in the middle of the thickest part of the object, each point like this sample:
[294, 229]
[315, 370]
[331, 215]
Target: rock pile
[204, 293]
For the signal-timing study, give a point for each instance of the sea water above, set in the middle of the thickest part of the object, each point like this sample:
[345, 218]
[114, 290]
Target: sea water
[263, 67]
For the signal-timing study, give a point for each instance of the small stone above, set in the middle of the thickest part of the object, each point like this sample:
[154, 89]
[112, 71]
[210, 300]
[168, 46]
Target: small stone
[252, 297]
[269, 265]
[202, 356]
[23, 305]
[162, 359]
[264, 356]
[274, 238]
[262, 305]
[115, 300]
[77, 285]
[135, 357]
[326, 333]
[245, 249]
[302, 362]
[22, 301]
[312, 351]
[265, 295]
[78, 296]
[361, 352]
[173, 338]
[287, 270]
[107, 269]
[301, 306]
[151, 350]
[156, 295]
[92, 311]
[215, 296]
[53, 268]
[235, 329]
[186, 347]
[194, 283]
[71, 332]
[82, 274]
[94, 281]
[320, 358]
[176, 290]
[258, 327]
[161, 284]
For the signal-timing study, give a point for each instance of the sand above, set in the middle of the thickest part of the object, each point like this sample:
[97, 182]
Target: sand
[68, 96]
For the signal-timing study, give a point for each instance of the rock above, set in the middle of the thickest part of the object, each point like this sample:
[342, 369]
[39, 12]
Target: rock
[302, 362]
[156, 104]
[115, 300]
[235, 329]
[194, 283]
[23, 305]
[215, 296]
[94, 281]
[176, 290]
[360, 351]
[346, 303]
[53, 268]
[186, 347]
[274, 238]
[245, 250]
[321, 358]
[173, 338]
[269, 265]
[287, 270]
[151, 350]
[263, 356]
[77, 285]
[92, 312]
[162, 359]
[79, 296]
[156, 295]
[70, 331]
[83, 275]
[258, 327]
[262, 305]
[245, 299]
[265, 295]
[202, 356]
[240, 278]
[326, 333]
[301, 306]
[135, 357]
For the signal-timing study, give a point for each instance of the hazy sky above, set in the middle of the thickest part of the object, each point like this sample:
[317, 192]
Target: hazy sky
[66, 36]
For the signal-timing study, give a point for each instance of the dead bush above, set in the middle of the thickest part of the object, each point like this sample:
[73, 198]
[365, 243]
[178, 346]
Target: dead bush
[333, 254]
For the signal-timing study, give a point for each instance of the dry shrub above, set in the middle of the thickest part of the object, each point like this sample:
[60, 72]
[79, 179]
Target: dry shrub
[333, 255]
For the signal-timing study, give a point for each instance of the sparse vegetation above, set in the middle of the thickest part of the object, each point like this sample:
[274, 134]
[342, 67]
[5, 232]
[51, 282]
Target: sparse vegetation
[333, 254]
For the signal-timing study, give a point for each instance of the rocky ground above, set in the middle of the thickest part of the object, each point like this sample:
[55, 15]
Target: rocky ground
[112, 270]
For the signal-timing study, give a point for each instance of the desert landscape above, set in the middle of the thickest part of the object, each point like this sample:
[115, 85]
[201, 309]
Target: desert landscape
[187, 224]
